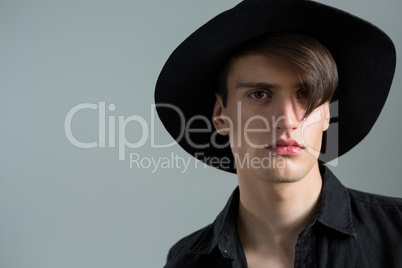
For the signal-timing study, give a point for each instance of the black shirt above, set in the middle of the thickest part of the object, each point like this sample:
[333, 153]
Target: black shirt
[351, 229]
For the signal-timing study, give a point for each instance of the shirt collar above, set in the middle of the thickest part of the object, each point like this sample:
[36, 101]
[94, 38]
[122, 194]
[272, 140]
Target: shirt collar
[334, 212]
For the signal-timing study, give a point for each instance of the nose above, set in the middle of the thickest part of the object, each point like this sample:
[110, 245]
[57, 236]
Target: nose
[287, 114]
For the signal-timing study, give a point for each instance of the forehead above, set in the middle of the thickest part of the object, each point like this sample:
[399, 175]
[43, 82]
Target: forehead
[257, 68]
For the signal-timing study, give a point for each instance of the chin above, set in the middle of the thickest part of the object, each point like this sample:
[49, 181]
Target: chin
[282, 176]
[290, 171]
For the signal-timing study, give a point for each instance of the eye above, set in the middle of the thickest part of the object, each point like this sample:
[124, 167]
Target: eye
[302, 93]
[259, 95]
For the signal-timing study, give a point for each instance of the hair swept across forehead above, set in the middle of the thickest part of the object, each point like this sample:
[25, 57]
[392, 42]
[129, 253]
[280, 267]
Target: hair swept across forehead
[311, 60]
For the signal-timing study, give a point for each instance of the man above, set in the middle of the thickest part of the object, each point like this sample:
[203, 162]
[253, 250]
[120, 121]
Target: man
[269, 70]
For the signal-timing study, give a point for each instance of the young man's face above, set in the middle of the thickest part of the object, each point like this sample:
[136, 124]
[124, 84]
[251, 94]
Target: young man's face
[269, 137]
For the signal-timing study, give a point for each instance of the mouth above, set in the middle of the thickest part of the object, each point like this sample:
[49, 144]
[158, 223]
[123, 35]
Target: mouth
[285, 147]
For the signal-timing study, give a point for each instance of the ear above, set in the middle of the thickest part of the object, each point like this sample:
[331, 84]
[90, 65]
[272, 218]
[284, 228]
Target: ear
[218, 117]
[327, 116]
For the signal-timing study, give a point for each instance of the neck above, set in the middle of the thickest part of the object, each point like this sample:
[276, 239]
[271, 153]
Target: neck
[272, 214]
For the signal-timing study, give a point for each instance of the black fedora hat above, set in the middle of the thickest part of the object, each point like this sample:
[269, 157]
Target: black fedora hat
[364, 54]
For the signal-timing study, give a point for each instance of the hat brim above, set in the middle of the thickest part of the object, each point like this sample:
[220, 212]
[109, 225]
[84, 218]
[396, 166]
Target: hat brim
[364, 54]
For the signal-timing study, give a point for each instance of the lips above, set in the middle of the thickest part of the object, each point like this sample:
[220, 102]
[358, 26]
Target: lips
[286, 147]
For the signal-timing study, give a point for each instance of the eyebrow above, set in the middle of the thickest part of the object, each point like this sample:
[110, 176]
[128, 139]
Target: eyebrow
[263, 85]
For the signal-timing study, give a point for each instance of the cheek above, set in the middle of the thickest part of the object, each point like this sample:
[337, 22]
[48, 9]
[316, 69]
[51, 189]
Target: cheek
[312, 134]
[312, 139]
[316, 117]
[255, 125]
[249, 129]
[312, 130]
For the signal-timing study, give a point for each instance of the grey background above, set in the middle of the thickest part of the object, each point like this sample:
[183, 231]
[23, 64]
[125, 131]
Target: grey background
[62, 206]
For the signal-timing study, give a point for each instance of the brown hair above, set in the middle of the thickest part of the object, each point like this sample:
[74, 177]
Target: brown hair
[311, 60]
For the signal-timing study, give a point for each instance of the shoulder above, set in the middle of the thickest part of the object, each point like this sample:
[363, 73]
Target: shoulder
[376, 216]
[188, 242]
[203, 248]
[373, 206]
[179, 251]
[374, 200]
